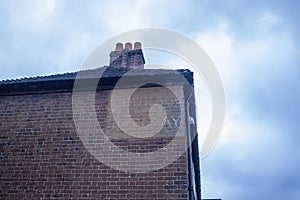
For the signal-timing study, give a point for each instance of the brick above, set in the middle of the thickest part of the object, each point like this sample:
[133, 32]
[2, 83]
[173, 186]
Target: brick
[42, 157]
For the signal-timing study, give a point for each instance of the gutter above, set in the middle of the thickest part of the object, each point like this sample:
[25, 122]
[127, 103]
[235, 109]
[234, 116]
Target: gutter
[194, 186]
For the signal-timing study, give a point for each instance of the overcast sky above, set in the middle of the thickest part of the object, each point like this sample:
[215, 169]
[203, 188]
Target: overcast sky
[254, 44]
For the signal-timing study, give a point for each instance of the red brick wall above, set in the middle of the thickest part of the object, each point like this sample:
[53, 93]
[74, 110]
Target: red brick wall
[42, 156]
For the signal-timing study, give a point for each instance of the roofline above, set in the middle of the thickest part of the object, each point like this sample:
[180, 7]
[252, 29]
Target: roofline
[87, 78]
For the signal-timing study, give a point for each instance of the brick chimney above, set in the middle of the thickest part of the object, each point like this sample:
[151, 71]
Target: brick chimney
[127, 58]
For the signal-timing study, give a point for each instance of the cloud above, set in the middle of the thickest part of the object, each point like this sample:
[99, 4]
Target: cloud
[46, 37]
[122, 16]
[253, 45]
[252, 159]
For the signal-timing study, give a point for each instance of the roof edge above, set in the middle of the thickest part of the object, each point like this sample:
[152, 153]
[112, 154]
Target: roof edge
[110, 76]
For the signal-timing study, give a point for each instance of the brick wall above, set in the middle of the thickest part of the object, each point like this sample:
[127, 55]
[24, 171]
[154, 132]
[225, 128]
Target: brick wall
[42, 156]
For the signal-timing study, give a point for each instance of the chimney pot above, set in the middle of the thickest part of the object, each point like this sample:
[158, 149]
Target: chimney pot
[127, 58]
[119, 47]
[128, 46]
[137, 45]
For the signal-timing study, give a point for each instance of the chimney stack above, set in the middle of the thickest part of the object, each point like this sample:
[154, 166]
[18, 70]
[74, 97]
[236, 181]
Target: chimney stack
[127, 58]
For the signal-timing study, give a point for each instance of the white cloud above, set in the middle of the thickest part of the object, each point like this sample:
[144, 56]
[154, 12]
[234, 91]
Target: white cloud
[256, 55]
[43, 9]
[266, 21]
[266, 50]
[51, 26]
[252, 61]
[31, 17]
[120, 16]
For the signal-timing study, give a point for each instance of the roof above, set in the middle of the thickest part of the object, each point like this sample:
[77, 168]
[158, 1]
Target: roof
[109, 78]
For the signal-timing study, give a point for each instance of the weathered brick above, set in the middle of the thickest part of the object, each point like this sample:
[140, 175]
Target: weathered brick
[42, 157]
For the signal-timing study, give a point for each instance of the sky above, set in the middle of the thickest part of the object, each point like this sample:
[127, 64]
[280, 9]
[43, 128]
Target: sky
[253, 44]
